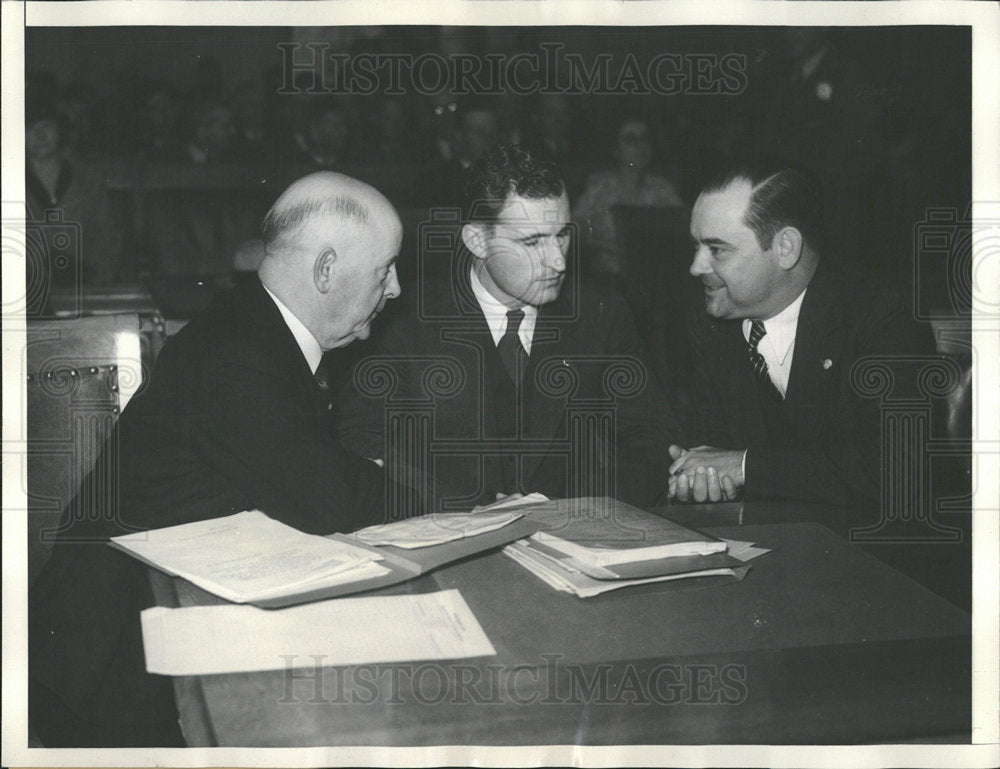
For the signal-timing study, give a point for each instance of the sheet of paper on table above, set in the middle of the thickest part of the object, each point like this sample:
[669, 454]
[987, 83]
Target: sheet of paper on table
[434, 529]
[203, 640]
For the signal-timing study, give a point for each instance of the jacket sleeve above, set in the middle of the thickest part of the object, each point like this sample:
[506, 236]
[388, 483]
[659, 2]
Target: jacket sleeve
[647, 419]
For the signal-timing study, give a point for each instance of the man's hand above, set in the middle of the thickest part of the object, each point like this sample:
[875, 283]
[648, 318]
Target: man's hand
[704, 474]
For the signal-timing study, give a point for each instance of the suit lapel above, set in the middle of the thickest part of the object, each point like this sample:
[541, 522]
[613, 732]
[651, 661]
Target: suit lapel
[819, 339]
[746, 408]
[272, 327]
[546, 413]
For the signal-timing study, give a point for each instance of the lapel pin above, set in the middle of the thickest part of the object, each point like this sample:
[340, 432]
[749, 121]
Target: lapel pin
[827, 363]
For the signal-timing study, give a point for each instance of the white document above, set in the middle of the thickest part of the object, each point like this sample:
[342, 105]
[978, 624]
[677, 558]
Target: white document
[744, 551]
[248, 556]
[435, 529]
[203, 640]
[528, 499]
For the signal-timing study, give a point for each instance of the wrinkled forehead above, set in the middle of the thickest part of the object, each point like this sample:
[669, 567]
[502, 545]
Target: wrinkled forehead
[520, 212]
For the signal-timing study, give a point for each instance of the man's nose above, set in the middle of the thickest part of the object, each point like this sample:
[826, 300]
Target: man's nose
[392, 289]
[700, 263]
[555, 257]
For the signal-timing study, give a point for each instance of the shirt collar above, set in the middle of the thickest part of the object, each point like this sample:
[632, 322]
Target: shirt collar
[303, 336]
[780, 329]
[495, 313]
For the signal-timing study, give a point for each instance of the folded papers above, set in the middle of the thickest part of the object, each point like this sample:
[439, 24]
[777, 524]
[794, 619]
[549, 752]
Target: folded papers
[562, 573]
[605, 532]
[249, 557]
[435, 529]
[588, 546]
[204, 640]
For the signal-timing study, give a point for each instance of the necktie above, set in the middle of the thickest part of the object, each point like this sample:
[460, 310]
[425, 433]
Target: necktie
[757, 362]
[512, 354]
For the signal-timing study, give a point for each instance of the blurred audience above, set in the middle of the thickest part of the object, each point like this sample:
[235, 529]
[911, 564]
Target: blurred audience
[476, 130]
[888, 135]
[629, 182]
[323, 133]
[210, 132]
[157, 136]
[77, 238]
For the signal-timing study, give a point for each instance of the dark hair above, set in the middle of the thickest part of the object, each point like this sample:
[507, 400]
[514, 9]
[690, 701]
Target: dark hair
[505, 170]
[783, 194]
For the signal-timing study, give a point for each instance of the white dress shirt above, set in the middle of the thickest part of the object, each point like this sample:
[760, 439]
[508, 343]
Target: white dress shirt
[307, 342]
[778, 343]
[495, 313]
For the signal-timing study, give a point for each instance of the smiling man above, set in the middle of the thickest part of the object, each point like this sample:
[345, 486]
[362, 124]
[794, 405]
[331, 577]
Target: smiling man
[531, 380]
[779, 415]
[234, 417]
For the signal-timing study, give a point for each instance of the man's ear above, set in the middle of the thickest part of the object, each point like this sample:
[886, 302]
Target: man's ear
[474, 237]
[787, 245]
[323, 270]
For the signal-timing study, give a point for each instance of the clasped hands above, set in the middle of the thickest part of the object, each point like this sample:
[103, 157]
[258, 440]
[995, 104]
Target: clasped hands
[705, 473]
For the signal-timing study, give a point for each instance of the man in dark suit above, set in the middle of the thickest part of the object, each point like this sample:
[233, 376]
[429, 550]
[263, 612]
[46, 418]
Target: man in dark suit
[508, 375]
[780, 414]
[234, 417]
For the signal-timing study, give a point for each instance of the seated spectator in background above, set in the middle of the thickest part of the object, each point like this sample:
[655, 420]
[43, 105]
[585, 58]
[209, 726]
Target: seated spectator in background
[502, 326]
[437, 124]
[234, 417]
[73, 192]
[323, 136]
[247, 104]
[778, 414]
[550, 127]
[476, 129]
[157, 134]
[629, 183]
[211, 133]
[79, 102]
[391, 132]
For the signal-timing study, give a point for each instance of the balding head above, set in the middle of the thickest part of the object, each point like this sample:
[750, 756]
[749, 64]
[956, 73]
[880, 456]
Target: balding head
[326, 196]
[330, 243]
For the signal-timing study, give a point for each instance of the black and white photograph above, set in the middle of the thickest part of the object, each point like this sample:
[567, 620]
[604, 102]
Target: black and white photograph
[501, 383]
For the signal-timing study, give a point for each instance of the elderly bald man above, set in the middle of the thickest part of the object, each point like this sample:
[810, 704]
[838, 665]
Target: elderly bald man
[233, 418]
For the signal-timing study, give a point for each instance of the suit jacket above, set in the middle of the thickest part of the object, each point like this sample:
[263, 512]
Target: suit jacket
[828, 442]
[436, 361]
[231, 419]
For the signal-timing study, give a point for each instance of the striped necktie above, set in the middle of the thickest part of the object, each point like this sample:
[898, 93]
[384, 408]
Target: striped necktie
[757, 362]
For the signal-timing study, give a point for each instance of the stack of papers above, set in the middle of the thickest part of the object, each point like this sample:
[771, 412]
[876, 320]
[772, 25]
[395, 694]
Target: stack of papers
[566, 575]
[248, 557]
[428, 530]
[604, 532]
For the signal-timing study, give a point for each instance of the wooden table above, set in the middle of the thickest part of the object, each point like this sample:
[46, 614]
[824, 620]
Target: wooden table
[820, 643]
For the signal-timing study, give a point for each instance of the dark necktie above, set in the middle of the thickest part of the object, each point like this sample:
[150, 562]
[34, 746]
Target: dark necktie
[512, 354]
[757, 362]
